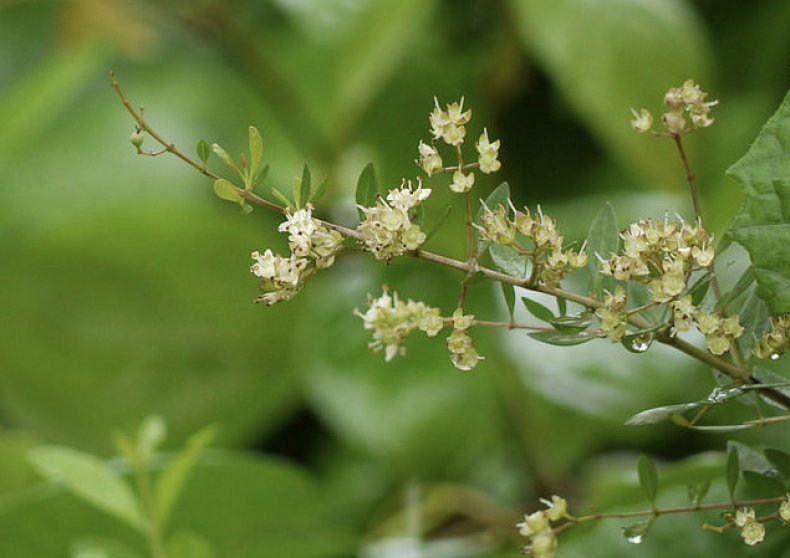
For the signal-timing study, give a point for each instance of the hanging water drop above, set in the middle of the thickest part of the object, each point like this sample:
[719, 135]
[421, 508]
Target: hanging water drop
[641, 343]
[635, 539]
[774, 356]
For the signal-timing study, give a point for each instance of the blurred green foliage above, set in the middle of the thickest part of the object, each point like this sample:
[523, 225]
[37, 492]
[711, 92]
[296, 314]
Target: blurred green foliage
[125, 292]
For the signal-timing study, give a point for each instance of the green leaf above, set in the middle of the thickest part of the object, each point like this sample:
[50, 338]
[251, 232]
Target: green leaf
[367, 188]
[660, 414]
[648, 477]
[763, 224]
[733, 471]
[316, 196]
[657, 45]
[186, 544]
[203, 151]
[509, 292]
[636, 532]
[538, 310]
[780, 460]
[770, 380]
[226, 158]
[697, 492]
[603, 239]
[562, 305]
[256, 150]
[172, 480]
[743, 283]
[90, 479]
[150, 436]
[279, 196]
[227, 191]
[571, 324]
[100, 547]
[762, 485]
[500, 195]
[304, 192]
[700, 288]
[260, 176]
[507, 260]
[721, 427]
[753, 316]
[561, 339]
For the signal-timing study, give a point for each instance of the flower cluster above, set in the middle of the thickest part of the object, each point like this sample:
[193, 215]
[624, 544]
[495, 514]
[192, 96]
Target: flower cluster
[307, 237]
[662, 255]
[688, 99]
[752, 531]
[775, 342]
[309, 240]
[387, 230]
[537, 527]
[449, 125]
[540, 230]
[392, 320]
[459, 343]
[719, 332]
[612, 314]
[281, 278]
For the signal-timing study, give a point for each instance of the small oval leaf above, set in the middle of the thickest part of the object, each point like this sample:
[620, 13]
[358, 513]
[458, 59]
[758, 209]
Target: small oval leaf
[256, 150]
[562, 339]
[227, 191]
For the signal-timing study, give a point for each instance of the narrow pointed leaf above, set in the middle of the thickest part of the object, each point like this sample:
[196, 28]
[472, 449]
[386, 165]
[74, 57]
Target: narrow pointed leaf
[538, 310]
[280, 197]
[660, 414]
[509, 292]
[733, 471]
[203, 151]
[172, 480]
[319, 193]
[304, 192]
[367, 188]
[561, 339]
[90, 479]
[256, 150]
[648, 477]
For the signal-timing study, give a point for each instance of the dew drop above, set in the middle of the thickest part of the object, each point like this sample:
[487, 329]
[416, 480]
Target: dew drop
[774, 356]
[641, 343]
[635, 539]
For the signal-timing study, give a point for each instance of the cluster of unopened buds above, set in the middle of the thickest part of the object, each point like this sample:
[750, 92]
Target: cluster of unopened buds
[392, 320]
[775, 342]
[612, 314]
[537, 528]
[449, 125]
[688, 100]
[545, 247]
[310, 242]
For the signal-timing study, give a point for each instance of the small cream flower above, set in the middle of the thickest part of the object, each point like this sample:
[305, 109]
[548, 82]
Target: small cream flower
[642, 121]
[462, 182]
[488, 154]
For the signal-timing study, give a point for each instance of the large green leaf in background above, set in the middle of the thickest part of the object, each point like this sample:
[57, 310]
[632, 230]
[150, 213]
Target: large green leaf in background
[763, 225]
[243, 506]
[610, 55]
